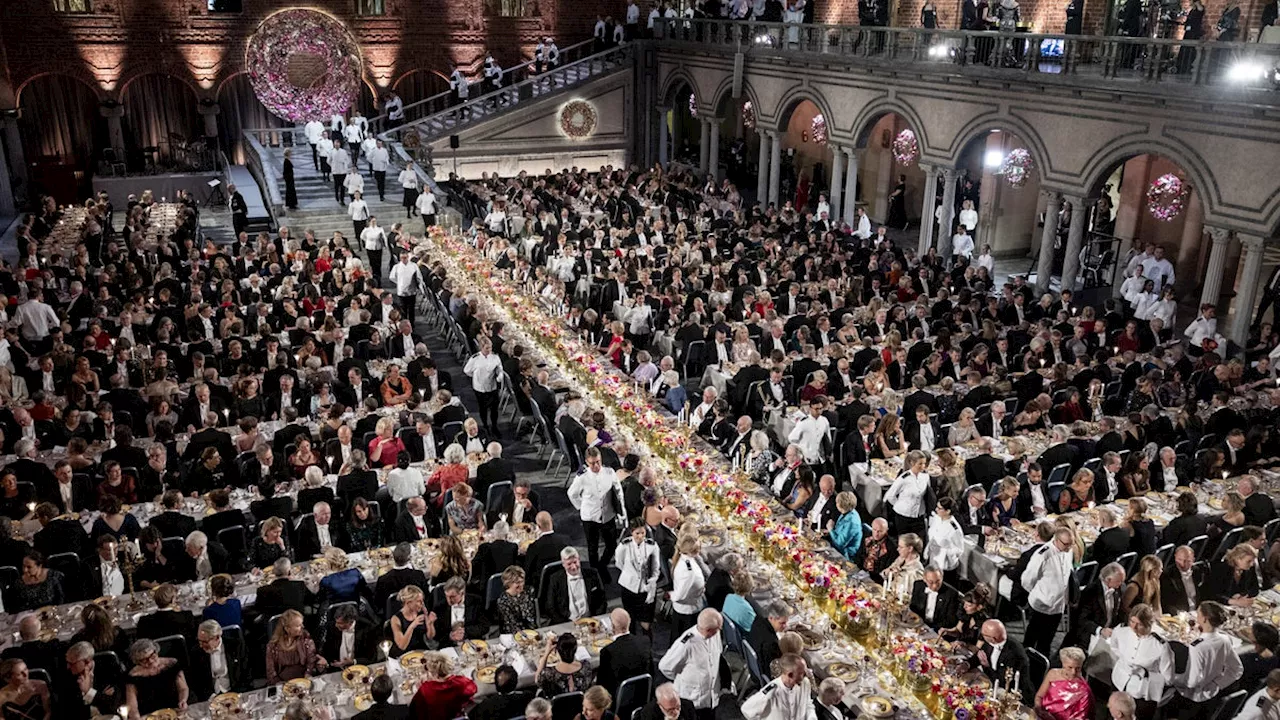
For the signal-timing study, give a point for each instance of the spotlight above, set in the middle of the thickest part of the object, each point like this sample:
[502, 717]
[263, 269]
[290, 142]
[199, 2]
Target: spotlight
[993, 158]
[938, 51]
[764, 39]
[1246, 72]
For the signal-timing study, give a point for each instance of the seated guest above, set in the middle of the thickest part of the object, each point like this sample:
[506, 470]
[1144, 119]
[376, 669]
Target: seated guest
[668, 705]
[519, 506]
[204, 559]
[464, 512]
[36, 587]
[517, 608]
[595, 705]
[271, 506]
[58, 534]
[1010, 655]
[318, 533]
[364, 527]
[442, 695]
[496, 555]
[1232, 580]
[736, 606]
[351, 640]
[155, 568]
[103, 572]
[411, 525]
[937, 604]
[450, 561]
[1262, 660]
[168, 618]
[356, 479]
[154, 682]
[878, 550]
[402, 574]
[411, 625]
[99, 630]
[270, 544]
[1078, 494]
[572, 593]
[975, 609]
[559, 670]
[36, 653]
[626, 657]
[219, 665]
[1113, 540]
[1188, 524]
[763, 633]
[1180, 582]
[846, 536]
[315, 490]
[223, 608]
[114, 521]
[507, 702]
[94, 693]
[173, 522]
[1144, 586]
[459, 607]
[224, 515]
[283, 593]
[291, 653]
[453, 471]
[1064, 693]
[343, 583]
[380, 691]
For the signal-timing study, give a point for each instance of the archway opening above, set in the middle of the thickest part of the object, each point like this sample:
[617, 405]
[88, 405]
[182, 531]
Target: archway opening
[239, 108]
[806, 157]
[889, 175]
[161, 123]
[998, 201]
[740, 141]
[685, 128]
[61, 132]
[420, 84]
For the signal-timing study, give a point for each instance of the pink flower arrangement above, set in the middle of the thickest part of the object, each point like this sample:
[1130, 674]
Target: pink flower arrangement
[288, 32]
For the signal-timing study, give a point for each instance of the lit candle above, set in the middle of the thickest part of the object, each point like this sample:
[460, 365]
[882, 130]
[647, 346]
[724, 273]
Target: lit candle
[123, 711]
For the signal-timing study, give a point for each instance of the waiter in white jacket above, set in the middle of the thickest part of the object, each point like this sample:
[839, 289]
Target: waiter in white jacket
[1212, 664]
[594, 493]
[379, 161]
[1050, 581]
[638, 564]
[1264, 704]
[787, 697]
[695, 662]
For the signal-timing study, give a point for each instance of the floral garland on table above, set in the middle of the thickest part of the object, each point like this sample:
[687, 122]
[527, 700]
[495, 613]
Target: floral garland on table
[818, 128]
[288, 32]
[578, 119]
[1166, 197]
[1017, 167]
[905, 147]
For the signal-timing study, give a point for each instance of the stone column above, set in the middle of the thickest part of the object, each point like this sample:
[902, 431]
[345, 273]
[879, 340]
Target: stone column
[1044, 266]
[704, 145]
[1212, 288]
[1075, 240]
[1250, 280]
[762, 171]
[17, 159]
[837, 177]
[8, 205]
[929, 203]
[1187, 265]
[714, 161]
[775, 165]
[851, 185]
[948, 214]
[663, 139]
[210, 113]
[115, 130]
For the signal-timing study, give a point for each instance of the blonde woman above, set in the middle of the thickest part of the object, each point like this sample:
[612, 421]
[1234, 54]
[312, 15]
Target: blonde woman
[291, 653]
[13, 388]
[411, 625]
[963, 430]
[270, 545]
[902, 575]
[1144, 587]
[443, 694]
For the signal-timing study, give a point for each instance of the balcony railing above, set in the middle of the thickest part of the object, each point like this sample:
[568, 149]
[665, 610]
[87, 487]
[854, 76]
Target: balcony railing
[1148, 60]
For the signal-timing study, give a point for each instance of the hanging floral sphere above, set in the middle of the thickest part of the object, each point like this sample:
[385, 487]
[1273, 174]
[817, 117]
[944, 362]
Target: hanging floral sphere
[749, 115]
[693, 105]
[304, 65]
[1017, 167]
[819, 129]
[1166, 197]
[578, 119]
[905, 147]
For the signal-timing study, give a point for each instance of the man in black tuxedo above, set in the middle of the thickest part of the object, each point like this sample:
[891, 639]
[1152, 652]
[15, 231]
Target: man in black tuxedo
[668, 705]
[494, 470]
[763, 634]
[1112, 542]
[224, 515]
[59, 535]
[227, 652]
[984, 469]
[574, 432]
[36, 653]
[973, 516]
[26, 467]
[1180, 582]
[626, 657]
[507, 702]
[924, 428]
[211, 436]
[459, 606]
[412, 525]
[199, 404]
[320, 531]
[67, 494]
[426, 443]
[282, 593]
[380, 690]
[574, 592]
[1259, 508]
[239, 210]
[1110, 441]
[998, 653]
[937, 604]
[289, 434]
[994, 422]
[519, 505]
[401, 575]
[545, 549]
[173, 522]
[82, 675]
[356, 390]
[351, 640]
[1059, 452]
[1099, 609]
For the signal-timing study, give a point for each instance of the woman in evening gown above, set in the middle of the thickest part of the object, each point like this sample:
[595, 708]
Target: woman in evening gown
[1064, 694]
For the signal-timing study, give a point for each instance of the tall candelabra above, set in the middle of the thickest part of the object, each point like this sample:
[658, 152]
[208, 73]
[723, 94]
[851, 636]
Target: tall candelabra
[130, 562]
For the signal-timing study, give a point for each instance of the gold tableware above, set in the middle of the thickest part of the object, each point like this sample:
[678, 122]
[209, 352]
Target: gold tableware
[297, 687]
[226, 701]
[413, 659]
[475, 646]
[355, 674]
[589, 623]
[842, 671]
[486, 674]
[877, 706]
[600, 644]
[524, 637]
[165, 714]
[363, 702]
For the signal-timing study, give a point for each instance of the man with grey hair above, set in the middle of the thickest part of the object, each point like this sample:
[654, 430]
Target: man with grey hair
[668, 705]
[458, 608]
[537, 709]
[220, 665]
[204, 558]
[763, 634]
[1059, 452]
[1050, 583]
[496, 469]
[1112, 542]
[984, 468]
[695, 663]
[96, 693]
[36, 653]
[574, 593]
[1099, 608]
[283, 593]
[626, 657]
[789, 696]
[830, 696]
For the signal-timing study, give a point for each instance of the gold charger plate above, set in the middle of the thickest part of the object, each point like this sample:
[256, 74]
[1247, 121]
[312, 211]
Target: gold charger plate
[1215, 503]
[226, 701]
[413, 659]
[105, 601]
[524, 637]
[355, 674]
[486, 674]
[476, 646]
[598, 645]
[842, 671]
[1009, 552]
[165, 714]
[363, 702]
[877, 706]
[589, 623]
[297, 687]
[522, 527]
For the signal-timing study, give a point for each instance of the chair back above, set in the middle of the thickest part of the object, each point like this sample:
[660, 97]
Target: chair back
[1128, 561]
[496, 493]
[234, 540]
[1086, 574]
[753, 664]
[566, 706]
[8, 576]
[632, 693]
[731, 635]
[492, 591]
[67, 563]
[1271, 529]
[39, 674]
[1039, 666]
[1165, 553]
[1230, 540]
[107, 664]
[174, 646]
[1229, 706]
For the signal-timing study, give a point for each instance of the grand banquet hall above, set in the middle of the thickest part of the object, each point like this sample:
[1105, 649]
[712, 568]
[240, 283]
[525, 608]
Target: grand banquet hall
[526, 360]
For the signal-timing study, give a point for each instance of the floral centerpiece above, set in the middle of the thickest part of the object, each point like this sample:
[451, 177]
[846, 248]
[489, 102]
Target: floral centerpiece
[301, 36]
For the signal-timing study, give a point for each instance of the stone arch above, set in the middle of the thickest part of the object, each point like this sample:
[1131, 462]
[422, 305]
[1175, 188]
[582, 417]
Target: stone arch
[724, 94]
[781, 114]
[672, 85]
[980, 126]
[1103, 162]
[870, 115]
[184, 78]
[420, 83]
[74, 73]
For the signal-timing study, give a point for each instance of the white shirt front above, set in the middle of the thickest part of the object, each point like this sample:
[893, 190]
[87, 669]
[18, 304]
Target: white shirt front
[907, 494]
[426, 203]
[218, 669]
[347, 648]
[407, 279]
[809, 434]
[373, 237]
[578, 607]
[408, 179]
[352, 133]
[1211, 666]
[112, 579]
[457, 613]
[638, 567]
[339, 161]
[358, 210]
[322, 532]
[314, 130]
[962, 244]
[693, 664]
